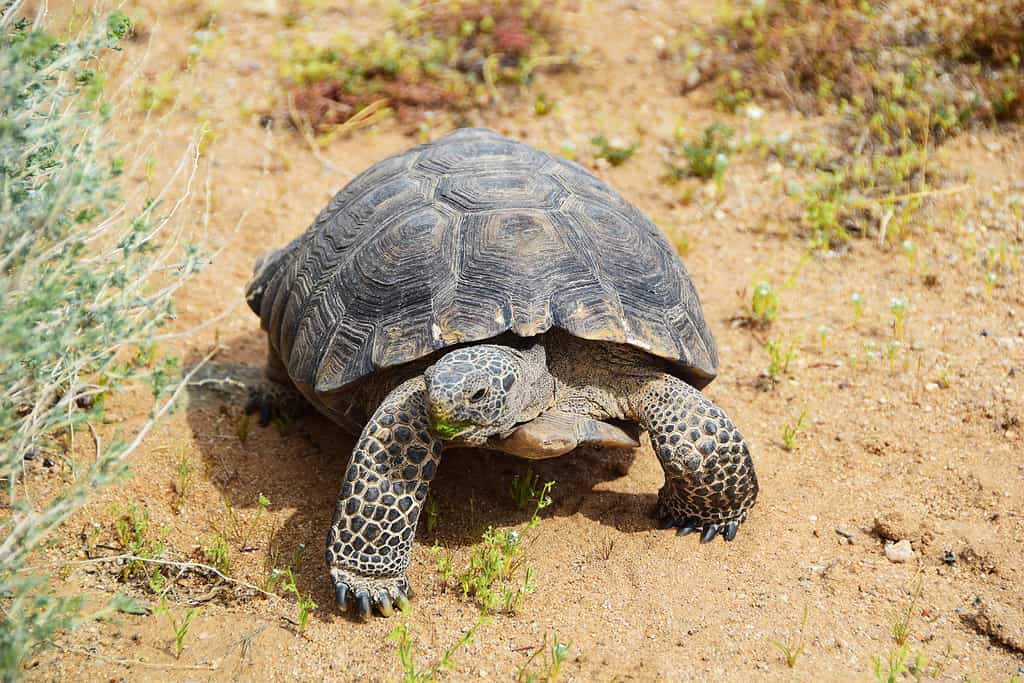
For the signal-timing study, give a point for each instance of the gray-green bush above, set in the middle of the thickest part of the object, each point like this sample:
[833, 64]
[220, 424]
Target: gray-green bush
[84, 287]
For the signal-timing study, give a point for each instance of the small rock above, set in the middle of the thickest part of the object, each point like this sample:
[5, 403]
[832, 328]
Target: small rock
[846, 532]
[948, 557]
[931, 386]
[47, 462]
[901, 551]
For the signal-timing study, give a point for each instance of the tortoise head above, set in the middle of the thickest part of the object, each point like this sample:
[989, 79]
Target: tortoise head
[475, 392]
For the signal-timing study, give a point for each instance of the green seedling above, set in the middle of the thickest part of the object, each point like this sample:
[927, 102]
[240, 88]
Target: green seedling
[794, 646]
[525, 489]
[892, 349]
[240, 531]
[133, 536]
[709, 157]
[898, 306]
[403, 640]
[183, 485]
[902, 619]
[789, 432]
[554, 658]
[910, 251]
[180, 628]
[218, 555]
[990, 283]
[779, 357]
[489, 577]
[857, 301]
[764, 304]
[542, 106]
[304, 603]
[823, 333]
[614, 154]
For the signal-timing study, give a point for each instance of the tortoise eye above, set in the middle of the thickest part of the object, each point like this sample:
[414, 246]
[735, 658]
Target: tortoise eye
[478, 394]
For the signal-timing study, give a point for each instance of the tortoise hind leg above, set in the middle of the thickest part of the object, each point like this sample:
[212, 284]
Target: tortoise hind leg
[385, 486]
[275, 395]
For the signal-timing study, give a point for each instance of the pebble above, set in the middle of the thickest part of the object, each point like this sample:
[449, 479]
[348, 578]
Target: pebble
[931, 386]
[901, 551]
[846, 532]
[949, 557]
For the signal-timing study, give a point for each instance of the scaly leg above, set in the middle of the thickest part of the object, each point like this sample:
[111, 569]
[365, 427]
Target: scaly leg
[385, 487]
[710, 482]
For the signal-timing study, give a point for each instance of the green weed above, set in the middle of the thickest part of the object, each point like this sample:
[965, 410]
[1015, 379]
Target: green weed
[898, 306]
[304, 603]
[218, 555]
[555, 656]
[180, 628]
[708, 158]
[183, 485]
[402, 637]
[780, 356]
[764, 304]
[490, 577]
[789, 432]
[525, 489]
[240, 530]
[794, 645]
[614, 153]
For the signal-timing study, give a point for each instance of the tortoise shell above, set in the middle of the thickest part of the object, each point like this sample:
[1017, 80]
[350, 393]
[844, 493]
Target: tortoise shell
[464, 239]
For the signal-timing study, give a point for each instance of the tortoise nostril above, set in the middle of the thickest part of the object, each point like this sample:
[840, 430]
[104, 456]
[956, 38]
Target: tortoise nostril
[478, 394]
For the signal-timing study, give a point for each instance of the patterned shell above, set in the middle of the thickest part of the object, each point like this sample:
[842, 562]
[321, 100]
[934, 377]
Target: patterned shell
[461, 240]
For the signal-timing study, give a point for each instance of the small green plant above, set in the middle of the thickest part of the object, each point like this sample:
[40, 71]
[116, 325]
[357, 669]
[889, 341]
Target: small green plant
[402, 637]
[764, 304]
[240, 531]
[708, 158]
[219, 555]
[304, 603]
[542, 106]
[780, 356]
[903, 618]
[794, 645]
[910, 251]
[898, 306]
[892, 349]
[133, 536]
[555, 657]
[990, 283]
[789, 432]
[857, 301]
[823, 333]
[615, 153]
[180, 628]
[183, 485]
[525, 489]
[490, 576]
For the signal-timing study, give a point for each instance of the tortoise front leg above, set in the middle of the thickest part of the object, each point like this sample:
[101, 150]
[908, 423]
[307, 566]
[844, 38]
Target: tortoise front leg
[385, 487]
[710, 482]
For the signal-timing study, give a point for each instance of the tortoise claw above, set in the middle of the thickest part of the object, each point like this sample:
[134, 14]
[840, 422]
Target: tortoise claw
[363, 604]
[340, 593]
[688, 527]
[384, 604]
[730, 530]
[710, 531]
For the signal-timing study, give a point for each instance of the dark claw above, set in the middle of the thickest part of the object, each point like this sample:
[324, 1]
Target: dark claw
[401, 601]
[253, 404]
[266, 412]
[363, 603]
[709, 534]
[689, 525]
[730, 530]
[340, 593]
[384, 604]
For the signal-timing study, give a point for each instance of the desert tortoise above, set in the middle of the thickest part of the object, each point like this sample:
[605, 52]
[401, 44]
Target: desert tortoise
[477, 291]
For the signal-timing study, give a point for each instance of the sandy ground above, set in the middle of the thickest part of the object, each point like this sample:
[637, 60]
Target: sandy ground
[886, 451]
